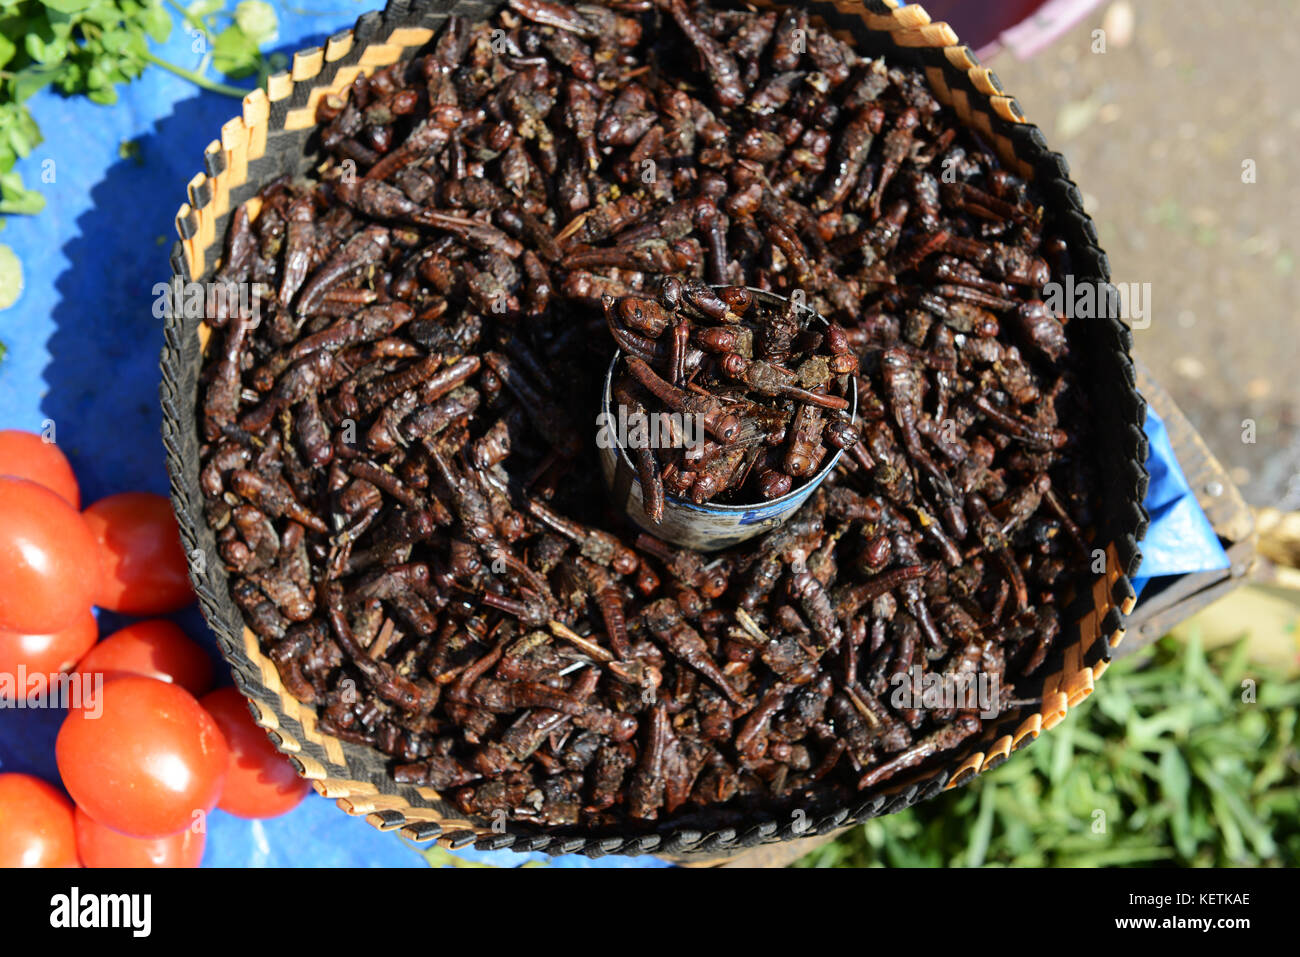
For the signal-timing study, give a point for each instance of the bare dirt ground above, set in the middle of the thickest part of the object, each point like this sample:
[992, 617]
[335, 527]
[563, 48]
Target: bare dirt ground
[1157, 129]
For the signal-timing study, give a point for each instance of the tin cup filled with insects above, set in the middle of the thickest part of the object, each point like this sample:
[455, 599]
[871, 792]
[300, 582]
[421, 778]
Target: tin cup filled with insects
[724, 408]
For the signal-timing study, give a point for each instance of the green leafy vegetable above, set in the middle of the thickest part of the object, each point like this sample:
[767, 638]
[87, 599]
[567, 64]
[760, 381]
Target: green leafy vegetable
[1164, 764]
[257, 21]
[90, 47]
[11, 277]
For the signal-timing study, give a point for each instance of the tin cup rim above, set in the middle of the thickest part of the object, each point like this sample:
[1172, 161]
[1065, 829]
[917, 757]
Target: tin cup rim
[806, 488]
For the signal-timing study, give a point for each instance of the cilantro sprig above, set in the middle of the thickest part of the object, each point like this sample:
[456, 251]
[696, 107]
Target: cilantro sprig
[90, 47]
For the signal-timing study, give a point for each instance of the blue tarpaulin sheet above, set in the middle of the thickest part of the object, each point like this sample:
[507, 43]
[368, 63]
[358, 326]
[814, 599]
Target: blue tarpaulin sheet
[1181, 539]
[83, 345]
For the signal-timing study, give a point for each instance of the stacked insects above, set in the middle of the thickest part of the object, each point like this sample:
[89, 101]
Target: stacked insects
[396, 460]
[763, 383]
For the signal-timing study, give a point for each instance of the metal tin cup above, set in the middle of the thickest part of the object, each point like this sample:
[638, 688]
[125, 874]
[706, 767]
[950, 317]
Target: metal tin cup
[707, 527]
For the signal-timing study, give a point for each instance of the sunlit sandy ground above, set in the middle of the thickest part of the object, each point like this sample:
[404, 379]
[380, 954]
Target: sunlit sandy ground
[1156, 130]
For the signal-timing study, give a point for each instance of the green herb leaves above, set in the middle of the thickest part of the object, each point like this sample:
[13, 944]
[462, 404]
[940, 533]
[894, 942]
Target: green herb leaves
[90, 47]
[1168, 762]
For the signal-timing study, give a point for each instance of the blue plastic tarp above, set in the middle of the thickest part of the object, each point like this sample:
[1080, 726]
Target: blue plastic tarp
[1181, 539]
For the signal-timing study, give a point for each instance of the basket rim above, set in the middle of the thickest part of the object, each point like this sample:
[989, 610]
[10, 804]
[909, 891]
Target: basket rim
[907, 35]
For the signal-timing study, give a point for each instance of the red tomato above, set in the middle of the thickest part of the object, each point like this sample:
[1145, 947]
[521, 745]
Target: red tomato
[35, 824]
[261, 781]
[49, 569]
[27, 455]
[140, 549]
[142, 757]
[101, 846]
[45, 655]
[157, 649]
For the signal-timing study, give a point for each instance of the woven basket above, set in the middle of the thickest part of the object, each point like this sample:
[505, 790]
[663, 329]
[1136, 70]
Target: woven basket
[270, 139]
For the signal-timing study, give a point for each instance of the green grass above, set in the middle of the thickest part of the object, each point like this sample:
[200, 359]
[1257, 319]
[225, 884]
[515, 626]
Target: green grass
[1179, 759]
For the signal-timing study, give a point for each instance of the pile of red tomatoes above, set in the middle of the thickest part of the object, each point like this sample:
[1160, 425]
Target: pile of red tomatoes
[147, 749]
